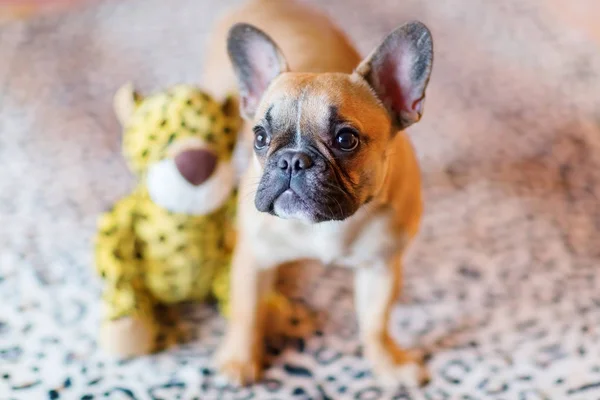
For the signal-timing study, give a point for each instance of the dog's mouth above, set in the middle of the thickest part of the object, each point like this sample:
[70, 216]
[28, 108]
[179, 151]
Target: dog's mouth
[302, 201]
[287, 204]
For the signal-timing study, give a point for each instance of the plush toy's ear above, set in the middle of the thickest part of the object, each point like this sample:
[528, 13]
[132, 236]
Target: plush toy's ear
[230, 106]
[398, 71]
[256, 61]
[124, 102]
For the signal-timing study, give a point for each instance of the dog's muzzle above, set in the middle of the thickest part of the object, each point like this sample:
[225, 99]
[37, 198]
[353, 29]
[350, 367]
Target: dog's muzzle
[281, 182]
[299, 184]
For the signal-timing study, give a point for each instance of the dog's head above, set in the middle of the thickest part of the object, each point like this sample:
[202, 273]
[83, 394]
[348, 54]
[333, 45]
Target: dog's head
[322, 141]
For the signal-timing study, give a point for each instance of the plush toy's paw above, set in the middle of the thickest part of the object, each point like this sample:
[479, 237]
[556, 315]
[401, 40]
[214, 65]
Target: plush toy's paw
[128, 336]
[394, 366]
[239, 362]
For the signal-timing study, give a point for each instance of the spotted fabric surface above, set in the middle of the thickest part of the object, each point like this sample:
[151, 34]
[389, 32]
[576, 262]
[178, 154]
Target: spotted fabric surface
[501, 288]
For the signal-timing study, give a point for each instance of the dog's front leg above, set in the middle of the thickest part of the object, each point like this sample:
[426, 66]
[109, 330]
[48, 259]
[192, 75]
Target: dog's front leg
[240, 355]
[376, 289]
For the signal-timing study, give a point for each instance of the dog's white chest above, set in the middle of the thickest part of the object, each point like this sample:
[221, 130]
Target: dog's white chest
[291, 240]
[350, 243]
[327, 243]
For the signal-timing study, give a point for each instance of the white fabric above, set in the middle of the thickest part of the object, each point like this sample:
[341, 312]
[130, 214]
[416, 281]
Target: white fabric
[169, 189]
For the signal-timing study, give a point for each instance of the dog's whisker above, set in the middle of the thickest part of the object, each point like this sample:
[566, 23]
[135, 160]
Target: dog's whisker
[248, 195]
[331, 214]
[336, 187]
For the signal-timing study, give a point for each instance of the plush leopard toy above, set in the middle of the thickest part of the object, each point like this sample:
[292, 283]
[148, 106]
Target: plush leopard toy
[171, 239]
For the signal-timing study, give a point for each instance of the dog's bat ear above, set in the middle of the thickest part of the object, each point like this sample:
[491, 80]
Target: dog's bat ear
[256, 61]
[398, 70]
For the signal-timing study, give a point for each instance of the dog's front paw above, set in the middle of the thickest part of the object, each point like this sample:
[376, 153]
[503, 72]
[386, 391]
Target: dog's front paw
[394, 366]
[239, 363]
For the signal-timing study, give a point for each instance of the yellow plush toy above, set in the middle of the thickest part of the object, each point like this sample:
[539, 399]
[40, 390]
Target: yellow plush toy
[171, 239]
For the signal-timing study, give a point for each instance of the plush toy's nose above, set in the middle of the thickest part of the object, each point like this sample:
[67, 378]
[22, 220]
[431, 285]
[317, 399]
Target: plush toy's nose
[196, 165]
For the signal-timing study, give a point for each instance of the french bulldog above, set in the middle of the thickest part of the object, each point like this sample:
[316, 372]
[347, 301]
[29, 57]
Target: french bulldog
[333, 176]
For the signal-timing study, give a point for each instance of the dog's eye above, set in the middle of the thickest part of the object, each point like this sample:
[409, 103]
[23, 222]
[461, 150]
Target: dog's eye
[261, 138]
[347, 139]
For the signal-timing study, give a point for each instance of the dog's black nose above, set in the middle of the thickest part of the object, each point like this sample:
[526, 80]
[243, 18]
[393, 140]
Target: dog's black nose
[294, 161]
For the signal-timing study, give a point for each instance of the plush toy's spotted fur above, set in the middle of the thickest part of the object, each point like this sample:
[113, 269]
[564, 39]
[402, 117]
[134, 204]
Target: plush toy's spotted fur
[148, 254]
[164, 118]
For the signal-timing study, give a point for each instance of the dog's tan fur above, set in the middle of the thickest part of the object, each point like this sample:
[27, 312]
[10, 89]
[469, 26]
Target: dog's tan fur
[371, 241]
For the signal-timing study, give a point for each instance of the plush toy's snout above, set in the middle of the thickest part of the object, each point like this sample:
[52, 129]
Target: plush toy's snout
[196, 165]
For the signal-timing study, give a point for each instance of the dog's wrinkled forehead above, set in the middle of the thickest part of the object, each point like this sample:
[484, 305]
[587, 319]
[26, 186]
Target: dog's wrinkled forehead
[309, 105]
[282, 112]
[294, 99]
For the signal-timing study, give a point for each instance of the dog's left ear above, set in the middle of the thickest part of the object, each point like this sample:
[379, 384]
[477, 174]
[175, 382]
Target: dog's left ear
[398, 70]
[256, 61]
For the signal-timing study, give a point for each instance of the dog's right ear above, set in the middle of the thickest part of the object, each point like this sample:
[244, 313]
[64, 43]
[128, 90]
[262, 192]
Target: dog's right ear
[256, 61]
